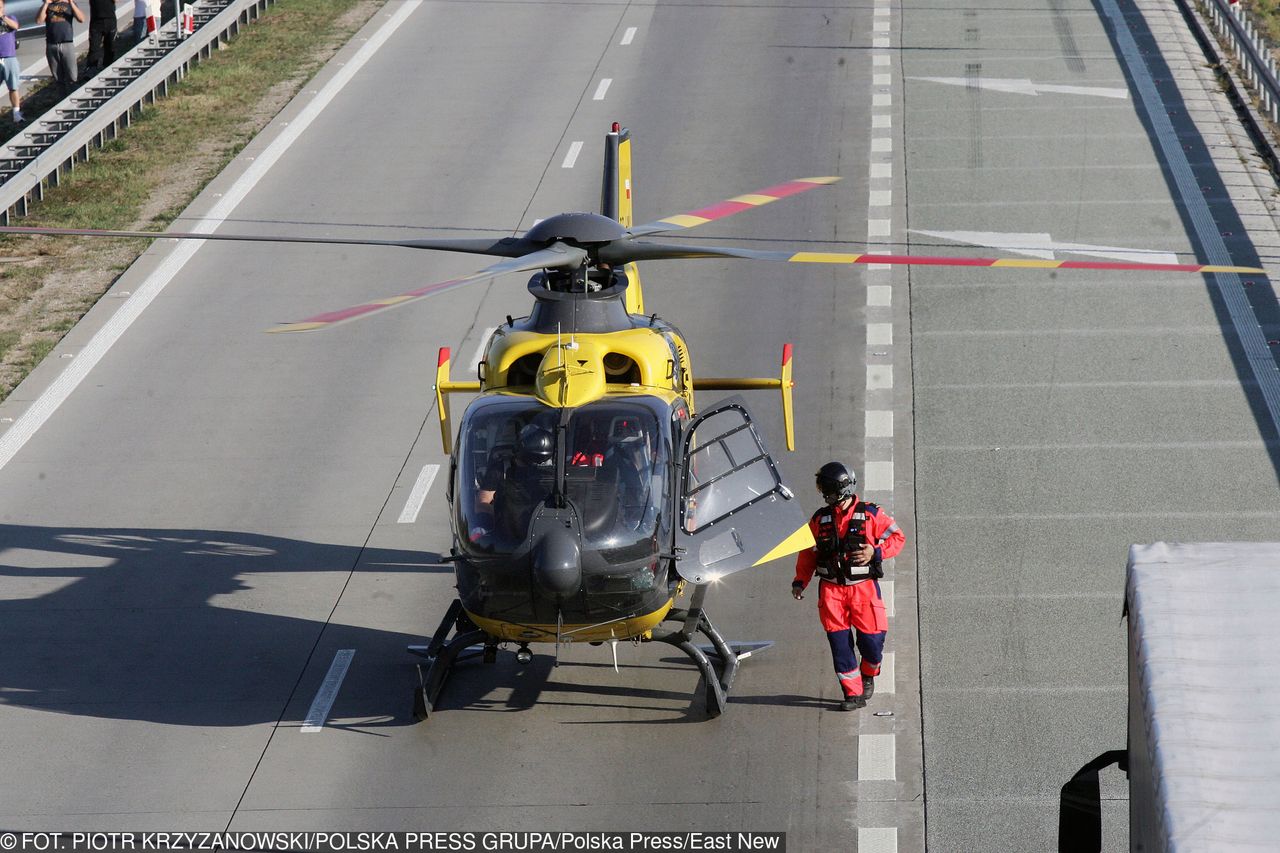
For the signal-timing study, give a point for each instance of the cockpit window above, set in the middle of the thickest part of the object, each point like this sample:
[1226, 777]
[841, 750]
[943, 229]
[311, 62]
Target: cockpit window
[506, 468]
[615, 476]
[615, 463]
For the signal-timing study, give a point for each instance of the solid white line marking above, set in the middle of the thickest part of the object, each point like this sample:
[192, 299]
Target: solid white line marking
[885, 680]
[41, 410]
[882, 121]
[879, 334]
[880, 198]
[881, 59]
[881, 79]
[328, 691]
[879, 227]
[880, 41]
[877, 839]
[879, 295]
[601, 89]
[419, 494]
[879, 423]
[628, 36]
[882, 144]
[886, 593]
[882, 12]
[572, 157]
[881, 170]
[879, 477]
[876, 758]
[881, 26]
[883, 99]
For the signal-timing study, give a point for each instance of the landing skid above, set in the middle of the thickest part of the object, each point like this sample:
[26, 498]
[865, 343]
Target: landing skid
[441, 654]
[694, 620]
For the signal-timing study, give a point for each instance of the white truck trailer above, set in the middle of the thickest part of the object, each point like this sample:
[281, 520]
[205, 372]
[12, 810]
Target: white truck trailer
[1204, 696]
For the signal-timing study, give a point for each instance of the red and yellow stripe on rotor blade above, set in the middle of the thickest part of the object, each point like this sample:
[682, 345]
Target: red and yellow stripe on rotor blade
[330, 318]
[1016, 263]
[737, 204]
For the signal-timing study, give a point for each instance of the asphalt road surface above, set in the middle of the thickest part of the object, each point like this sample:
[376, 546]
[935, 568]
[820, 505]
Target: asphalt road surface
[197, 519]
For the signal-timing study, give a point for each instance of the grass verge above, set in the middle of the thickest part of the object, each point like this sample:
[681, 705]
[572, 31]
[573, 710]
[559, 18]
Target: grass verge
[147, 176]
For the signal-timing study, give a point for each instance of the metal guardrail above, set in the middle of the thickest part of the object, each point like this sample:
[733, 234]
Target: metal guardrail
[1237, 32]
[92, 115]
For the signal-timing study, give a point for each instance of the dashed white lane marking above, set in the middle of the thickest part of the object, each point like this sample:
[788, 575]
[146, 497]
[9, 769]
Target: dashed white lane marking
[879, 227]
[885, 680]
[880, 198]
[882, 145]
[881, 170]
[882, 12]
[883, 99]
[877, 839]
[601, 89]
[881, 27]
[881, 59]
[44, 407]
[628, 36]
[572, 157]
[879, 267]
[886, 593]
[418, 495]
[880, 41]
[328, 691]
[879, 295]
[879, 424]
[879, 334]
[876, 758]
[881, 79]
[882, 121]
[478, 355]
[879, 476]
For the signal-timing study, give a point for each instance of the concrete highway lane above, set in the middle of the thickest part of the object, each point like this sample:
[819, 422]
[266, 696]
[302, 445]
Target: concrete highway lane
[211, 558]
[1061, 417]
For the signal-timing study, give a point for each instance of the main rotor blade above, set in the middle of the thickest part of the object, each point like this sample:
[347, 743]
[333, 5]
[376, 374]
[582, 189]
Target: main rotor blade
[507, 247]
[555, 256]
[737, 204]
[625, 252]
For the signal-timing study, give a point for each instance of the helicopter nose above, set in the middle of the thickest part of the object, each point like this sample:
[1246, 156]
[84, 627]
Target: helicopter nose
[557, 563]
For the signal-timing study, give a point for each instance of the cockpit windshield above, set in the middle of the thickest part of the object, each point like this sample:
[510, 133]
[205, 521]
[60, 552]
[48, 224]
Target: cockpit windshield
[615, 471]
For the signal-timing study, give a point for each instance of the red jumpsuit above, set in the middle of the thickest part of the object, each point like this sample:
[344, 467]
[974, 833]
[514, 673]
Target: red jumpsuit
[849, 603]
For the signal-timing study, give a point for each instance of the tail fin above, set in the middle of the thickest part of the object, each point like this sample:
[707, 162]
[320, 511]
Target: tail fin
[615, 201]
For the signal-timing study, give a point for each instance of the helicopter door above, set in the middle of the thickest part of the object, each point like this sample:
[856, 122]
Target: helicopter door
[734, 507]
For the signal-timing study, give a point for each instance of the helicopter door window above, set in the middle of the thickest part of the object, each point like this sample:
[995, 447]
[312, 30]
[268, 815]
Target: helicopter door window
[726, 473]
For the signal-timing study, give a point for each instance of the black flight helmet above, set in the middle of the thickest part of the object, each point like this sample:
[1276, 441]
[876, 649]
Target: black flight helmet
[836, 482]
[537, 445]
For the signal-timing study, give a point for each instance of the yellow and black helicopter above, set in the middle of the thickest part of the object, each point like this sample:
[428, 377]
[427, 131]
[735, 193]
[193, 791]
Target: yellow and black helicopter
[586, 492]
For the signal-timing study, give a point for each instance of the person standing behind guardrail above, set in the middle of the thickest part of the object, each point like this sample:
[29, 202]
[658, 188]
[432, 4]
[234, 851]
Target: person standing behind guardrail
[9, 58]
[59, 40]
[102, 33]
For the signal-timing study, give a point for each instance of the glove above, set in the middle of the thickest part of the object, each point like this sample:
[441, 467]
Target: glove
[797, 590]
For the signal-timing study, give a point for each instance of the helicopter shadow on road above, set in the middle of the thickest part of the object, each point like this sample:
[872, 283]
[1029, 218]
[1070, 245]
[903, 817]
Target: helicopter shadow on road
[163, 625]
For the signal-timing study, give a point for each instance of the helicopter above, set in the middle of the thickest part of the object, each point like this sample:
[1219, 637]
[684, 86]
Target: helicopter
[586, 491]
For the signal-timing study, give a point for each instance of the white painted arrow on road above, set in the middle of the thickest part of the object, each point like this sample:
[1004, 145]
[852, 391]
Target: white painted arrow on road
[1044, 246]
[1026, 87]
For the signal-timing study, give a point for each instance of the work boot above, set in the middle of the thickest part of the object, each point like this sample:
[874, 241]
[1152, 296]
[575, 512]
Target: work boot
[868, 686]
[853, 703]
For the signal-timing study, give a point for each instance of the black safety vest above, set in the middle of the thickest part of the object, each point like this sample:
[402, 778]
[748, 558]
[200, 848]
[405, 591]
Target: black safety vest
[835, 554]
